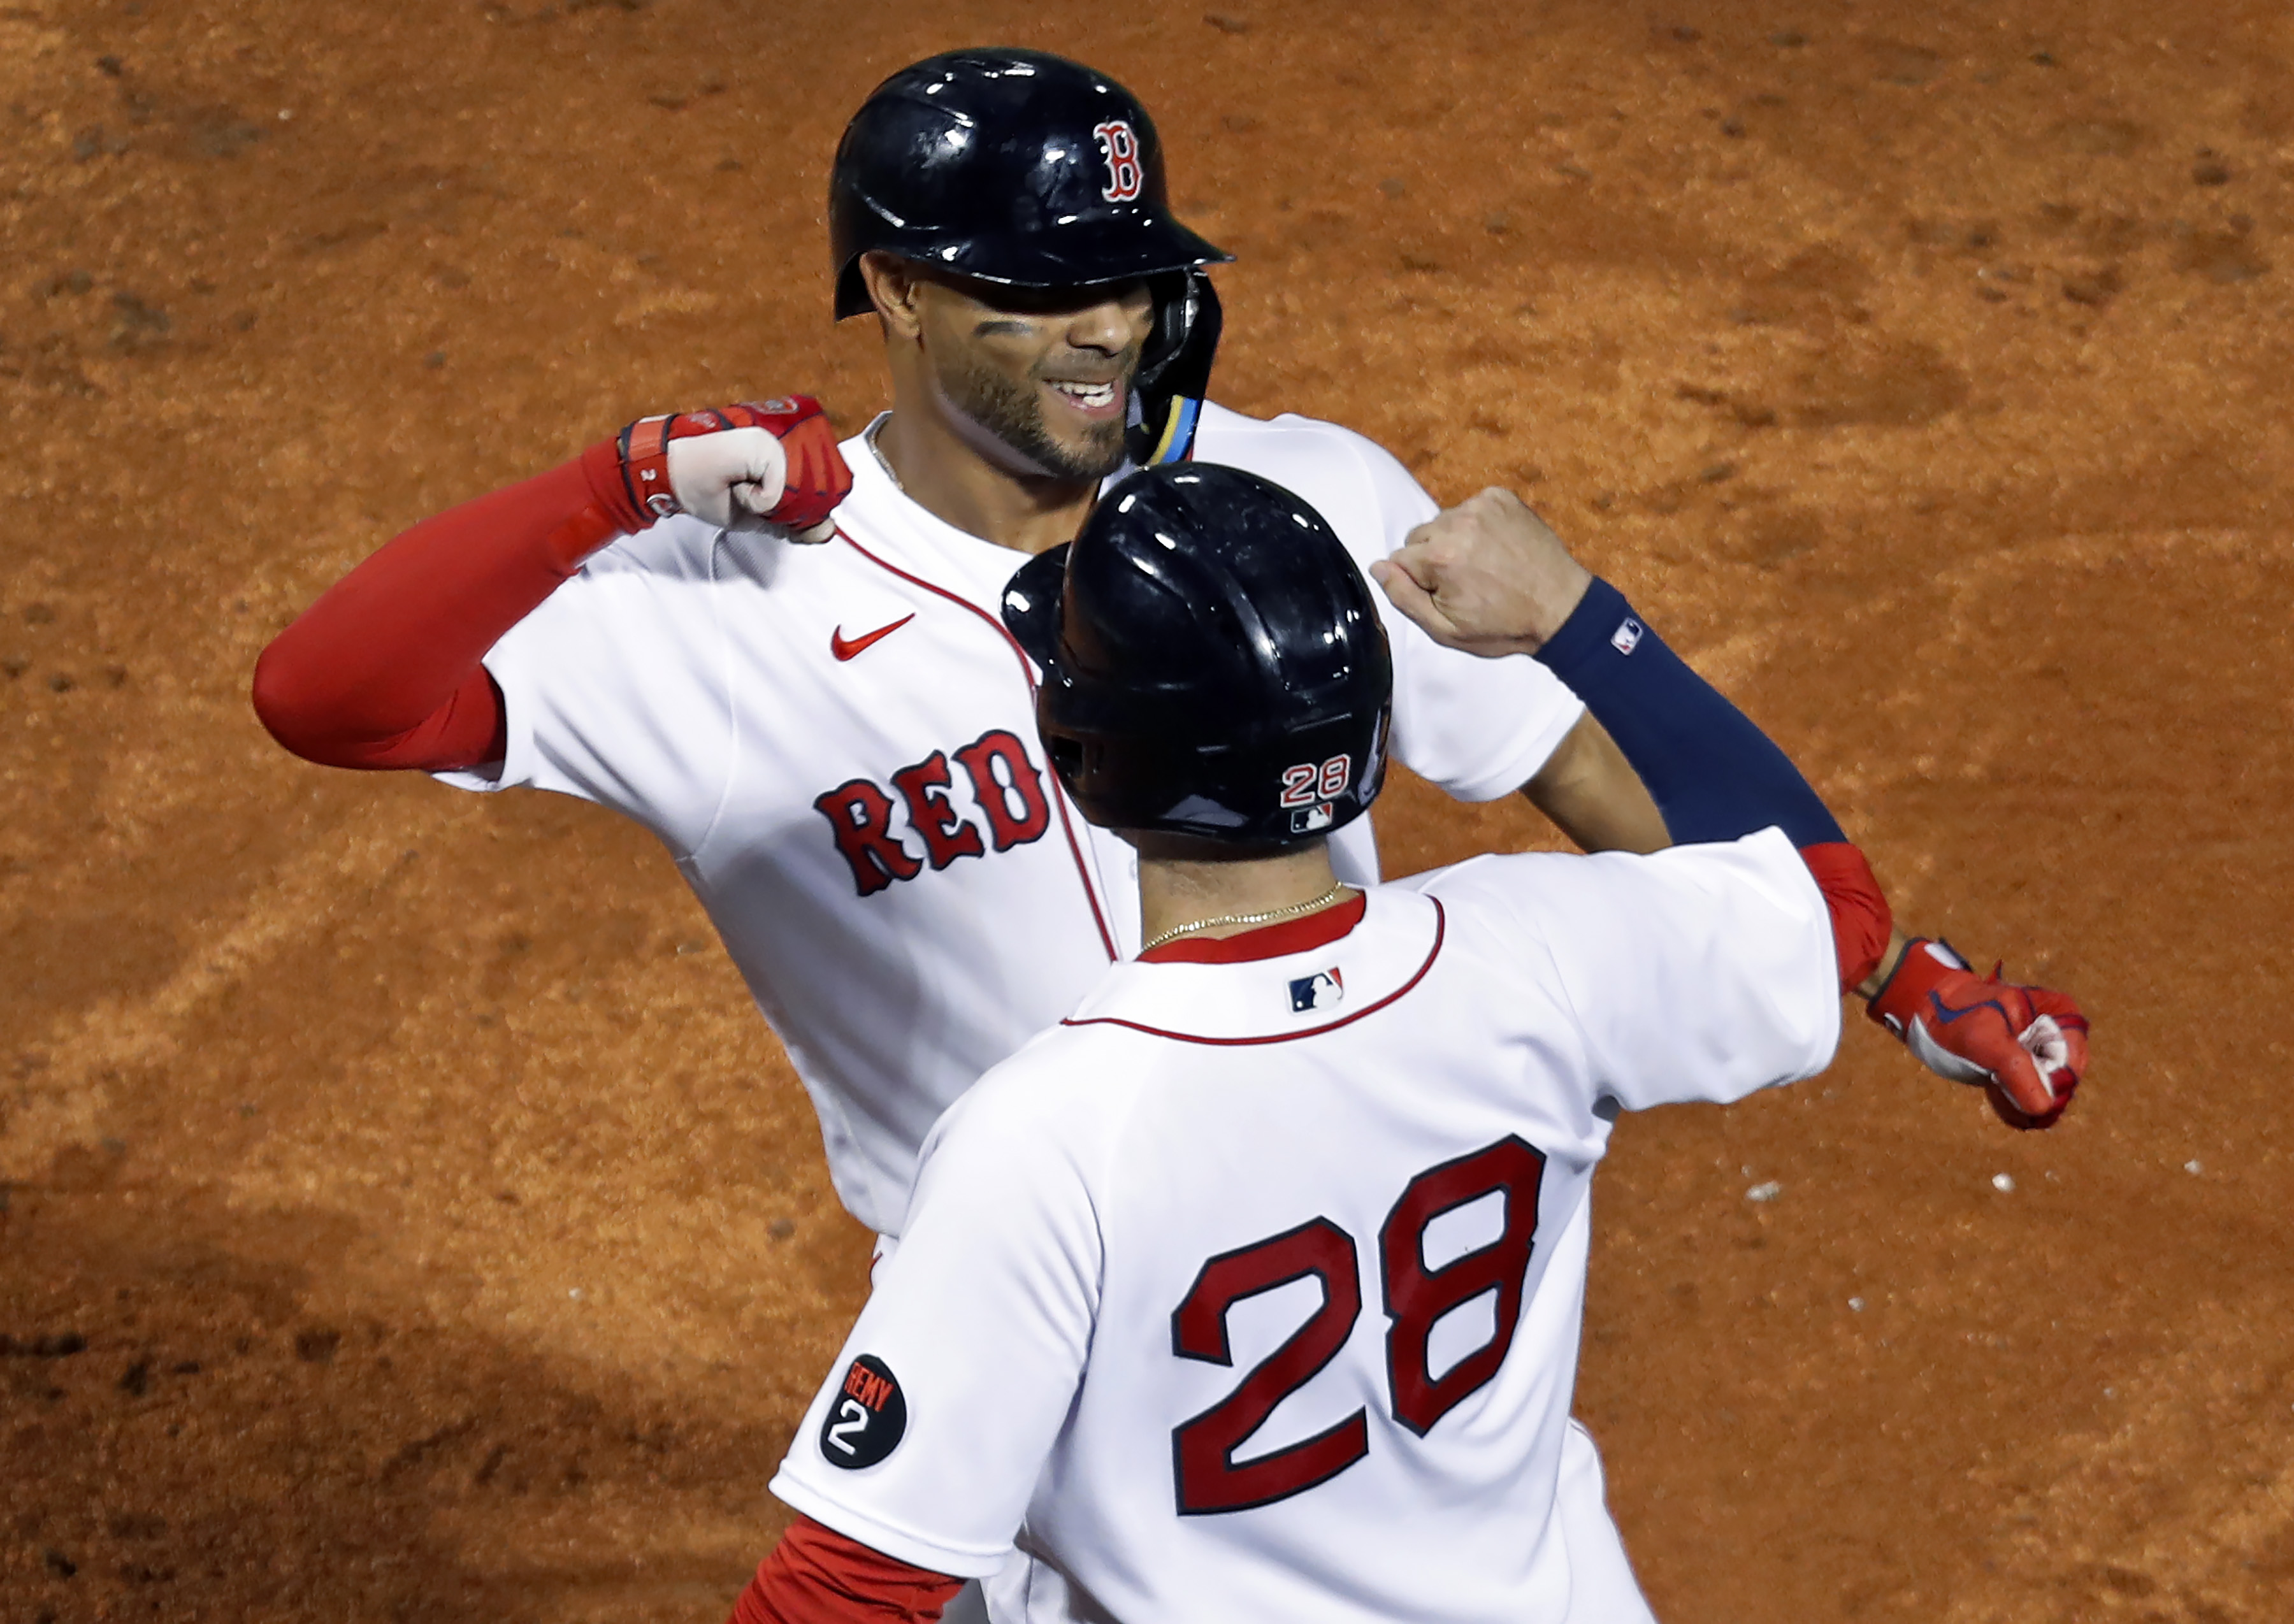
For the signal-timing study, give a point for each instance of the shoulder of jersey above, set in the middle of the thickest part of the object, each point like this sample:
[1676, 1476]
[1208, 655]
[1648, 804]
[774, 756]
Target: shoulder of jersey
[1055, 1088]
[679, 549]
[1237, 439]
[1538, 894]
[1046, 1067]
[684, 549]
[1516, 883]
[1331, 467]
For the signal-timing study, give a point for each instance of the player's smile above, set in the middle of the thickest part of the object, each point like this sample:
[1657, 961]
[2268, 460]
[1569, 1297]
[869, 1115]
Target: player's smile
[1079, 363]
[1095, 402]
[1046, 371]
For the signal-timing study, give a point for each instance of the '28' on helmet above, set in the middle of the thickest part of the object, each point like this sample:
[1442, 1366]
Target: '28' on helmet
[1214, 664]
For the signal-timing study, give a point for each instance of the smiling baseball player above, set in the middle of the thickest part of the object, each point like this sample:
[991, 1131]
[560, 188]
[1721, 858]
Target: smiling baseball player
[837, 742]
[1252, 1290]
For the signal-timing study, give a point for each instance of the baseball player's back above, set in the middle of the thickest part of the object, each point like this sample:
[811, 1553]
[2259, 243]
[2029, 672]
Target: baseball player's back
[1272, 1256]
[1252, 1289]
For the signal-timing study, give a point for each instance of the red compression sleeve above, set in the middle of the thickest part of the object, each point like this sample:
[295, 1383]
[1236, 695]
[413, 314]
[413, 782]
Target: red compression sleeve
[817, 1576]
[383, 671]
[1860, 917]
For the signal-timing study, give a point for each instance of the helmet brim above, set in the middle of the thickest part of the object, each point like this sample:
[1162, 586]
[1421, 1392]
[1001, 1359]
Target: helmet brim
[1142, 248]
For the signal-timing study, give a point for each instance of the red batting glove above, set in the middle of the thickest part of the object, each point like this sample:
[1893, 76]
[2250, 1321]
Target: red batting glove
[2025, 1045]
[739, 467]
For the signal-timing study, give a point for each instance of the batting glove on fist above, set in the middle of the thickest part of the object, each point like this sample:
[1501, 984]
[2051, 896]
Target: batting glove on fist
[2026, 1046]
[740, 467]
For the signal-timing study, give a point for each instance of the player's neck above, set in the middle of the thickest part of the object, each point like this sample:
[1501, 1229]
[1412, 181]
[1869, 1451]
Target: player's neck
[1176, 890]
[958, 483]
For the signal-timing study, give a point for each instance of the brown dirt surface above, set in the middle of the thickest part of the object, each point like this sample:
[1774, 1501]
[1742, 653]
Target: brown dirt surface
[406, 1217]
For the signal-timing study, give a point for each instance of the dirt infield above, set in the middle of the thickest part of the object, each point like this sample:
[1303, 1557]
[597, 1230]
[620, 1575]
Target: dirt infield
[404, 1215]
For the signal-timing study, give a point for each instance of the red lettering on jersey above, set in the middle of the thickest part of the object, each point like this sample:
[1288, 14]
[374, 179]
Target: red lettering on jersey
[1415, 1296]
[947, 836]
[1120, 148]
[1018, 810]
[1203, 1448]
[861, 815]
[1008, 786]
[1208, 1478]
[865, 1385]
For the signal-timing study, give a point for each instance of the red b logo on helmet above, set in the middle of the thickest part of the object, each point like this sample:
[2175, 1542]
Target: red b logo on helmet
[1121, 148]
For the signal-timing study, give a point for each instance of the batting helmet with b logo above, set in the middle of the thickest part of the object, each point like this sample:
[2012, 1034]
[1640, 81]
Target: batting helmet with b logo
[1007, 166]
[1029, 170]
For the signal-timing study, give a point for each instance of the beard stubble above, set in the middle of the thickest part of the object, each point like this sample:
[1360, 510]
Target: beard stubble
[1013, 413]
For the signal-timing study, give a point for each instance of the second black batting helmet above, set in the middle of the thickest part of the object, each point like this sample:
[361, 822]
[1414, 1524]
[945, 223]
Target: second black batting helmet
[1026, 169]
[1214, 664]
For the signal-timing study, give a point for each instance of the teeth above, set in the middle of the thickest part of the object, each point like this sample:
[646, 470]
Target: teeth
[1089, 395]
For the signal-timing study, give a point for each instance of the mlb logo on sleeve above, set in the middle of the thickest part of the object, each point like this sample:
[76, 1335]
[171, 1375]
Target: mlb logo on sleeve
[1626, 637]
[1318, 991]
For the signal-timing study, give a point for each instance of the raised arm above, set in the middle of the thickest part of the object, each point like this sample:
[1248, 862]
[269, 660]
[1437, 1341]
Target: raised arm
[1591, 791]
[1490, 578]
[385, 670]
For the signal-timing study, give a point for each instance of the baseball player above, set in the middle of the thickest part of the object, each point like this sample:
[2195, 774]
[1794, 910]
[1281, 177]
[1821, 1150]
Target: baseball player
[784, 656]
[1252, 1290]
[837, 742]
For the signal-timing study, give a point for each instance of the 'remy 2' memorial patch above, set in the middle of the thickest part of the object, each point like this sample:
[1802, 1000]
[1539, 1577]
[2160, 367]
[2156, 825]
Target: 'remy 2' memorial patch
[866, 1418]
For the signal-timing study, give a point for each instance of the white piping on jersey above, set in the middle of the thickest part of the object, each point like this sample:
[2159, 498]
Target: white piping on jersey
[1441, 928]
[1085, 874]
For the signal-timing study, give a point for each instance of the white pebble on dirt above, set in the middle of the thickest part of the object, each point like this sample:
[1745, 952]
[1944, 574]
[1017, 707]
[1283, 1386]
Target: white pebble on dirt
[2002, 1183]
[1768, 1191]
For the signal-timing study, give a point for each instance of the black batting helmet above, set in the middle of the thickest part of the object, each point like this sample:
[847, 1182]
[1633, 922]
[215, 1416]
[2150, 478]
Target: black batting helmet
[1214, 664]
[1026, 169]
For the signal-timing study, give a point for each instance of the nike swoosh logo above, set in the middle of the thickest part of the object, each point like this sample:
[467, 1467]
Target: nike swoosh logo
[844, 648]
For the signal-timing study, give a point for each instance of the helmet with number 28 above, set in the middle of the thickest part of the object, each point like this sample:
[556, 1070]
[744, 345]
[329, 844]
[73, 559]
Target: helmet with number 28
[1213, 663]
[1029, 170]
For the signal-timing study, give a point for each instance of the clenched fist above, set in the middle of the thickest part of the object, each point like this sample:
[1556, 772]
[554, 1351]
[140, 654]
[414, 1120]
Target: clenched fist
[740, 467]
[2025, 1046]
[1486, 577]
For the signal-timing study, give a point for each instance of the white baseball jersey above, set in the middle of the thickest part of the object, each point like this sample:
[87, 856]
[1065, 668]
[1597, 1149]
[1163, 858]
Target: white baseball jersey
[838, 745]
[1252, 1291]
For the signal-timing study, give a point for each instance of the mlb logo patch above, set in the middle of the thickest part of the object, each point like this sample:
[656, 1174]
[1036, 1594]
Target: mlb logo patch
[1627, 636]
[1318, 991]
[1306, 820]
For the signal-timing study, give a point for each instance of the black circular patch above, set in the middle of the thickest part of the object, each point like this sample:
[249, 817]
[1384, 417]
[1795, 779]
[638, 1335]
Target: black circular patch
[866, 1416]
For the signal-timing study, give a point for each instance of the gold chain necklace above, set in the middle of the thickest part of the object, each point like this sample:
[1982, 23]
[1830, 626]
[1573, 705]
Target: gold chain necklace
[1330, 896]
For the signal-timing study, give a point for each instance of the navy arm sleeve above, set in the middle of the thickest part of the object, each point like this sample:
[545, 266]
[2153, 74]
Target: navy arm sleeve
[1712, 773]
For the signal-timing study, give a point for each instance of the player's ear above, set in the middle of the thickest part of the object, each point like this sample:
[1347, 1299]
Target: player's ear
[895, 289]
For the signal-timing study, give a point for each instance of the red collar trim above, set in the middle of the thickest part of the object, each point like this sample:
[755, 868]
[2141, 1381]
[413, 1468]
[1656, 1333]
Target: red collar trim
[1267, 942]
